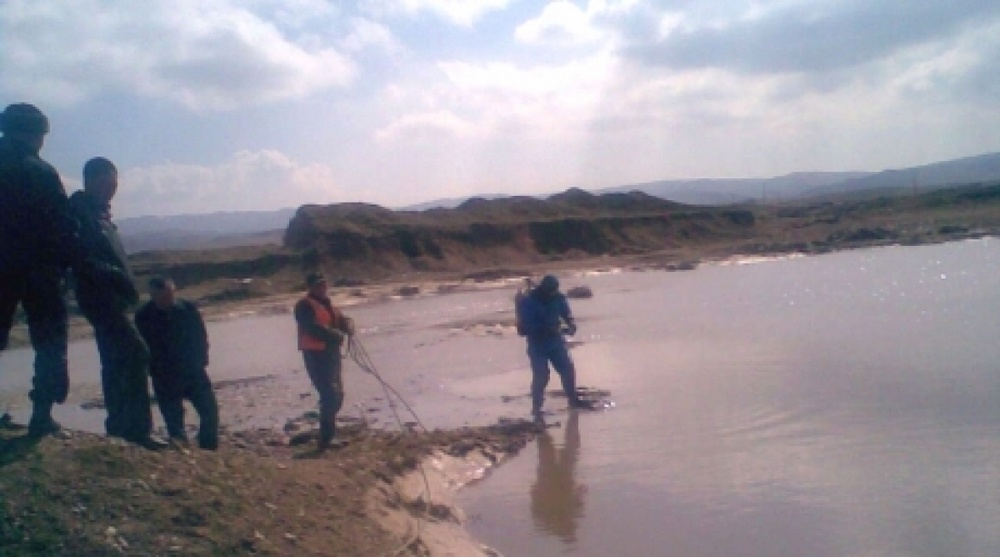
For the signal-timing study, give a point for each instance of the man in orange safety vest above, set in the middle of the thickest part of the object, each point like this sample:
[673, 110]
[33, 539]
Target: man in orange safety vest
[322, 329]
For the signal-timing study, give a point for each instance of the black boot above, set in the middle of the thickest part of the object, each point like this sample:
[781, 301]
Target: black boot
[328, 439]
[41, 423]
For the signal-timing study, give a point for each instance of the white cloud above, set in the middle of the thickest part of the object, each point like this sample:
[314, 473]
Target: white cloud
[557, 90]
[428, 126]
[291, 13]
[460, 12]
[945, 67]
[204, 55]
[365, 33]
[488, 101]
[561, 23]
[259, 180]
[796, 36]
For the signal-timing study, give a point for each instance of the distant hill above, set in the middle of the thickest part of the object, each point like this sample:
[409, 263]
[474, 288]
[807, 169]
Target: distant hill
[965, 171]
[803, 185]
[448, 202]
[724, 191]
[258, 228]
[174, 239]
[204, 231]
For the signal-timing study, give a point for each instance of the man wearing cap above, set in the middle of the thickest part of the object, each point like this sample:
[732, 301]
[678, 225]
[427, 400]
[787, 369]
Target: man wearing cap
[37, 242]
[321, 330]
[541, 315]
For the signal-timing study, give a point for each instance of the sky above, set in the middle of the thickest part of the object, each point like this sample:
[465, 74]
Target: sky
[247, 105]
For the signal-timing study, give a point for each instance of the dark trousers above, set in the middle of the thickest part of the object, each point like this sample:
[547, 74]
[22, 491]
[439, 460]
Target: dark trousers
[172, 387]
[40, 293]
[324, 368]
[541, 352]
[124, 376]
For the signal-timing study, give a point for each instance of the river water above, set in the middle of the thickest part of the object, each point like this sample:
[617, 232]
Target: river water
[838, 405]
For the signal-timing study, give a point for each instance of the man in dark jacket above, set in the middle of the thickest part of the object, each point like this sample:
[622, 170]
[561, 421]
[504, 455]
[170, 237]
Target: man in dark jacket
[104, 292]
[178, 347]
[540, 316]
[322, 329]
[36, 245]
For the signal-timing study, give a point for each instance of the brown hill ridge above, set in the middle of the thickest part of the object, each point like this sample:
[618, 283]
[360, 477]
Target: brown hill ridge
[359, 242]
[361, 239]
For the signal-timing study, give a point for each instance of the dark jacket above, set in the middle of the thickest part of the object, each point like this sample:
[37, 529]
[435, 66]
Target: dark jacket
[540, 314]
[177, 338]
[104, 281]
[36, 229]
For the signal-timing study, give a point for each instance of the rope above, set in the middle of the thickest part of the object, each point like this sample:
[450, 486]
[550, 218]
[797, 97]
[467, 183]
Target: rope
[357, 353]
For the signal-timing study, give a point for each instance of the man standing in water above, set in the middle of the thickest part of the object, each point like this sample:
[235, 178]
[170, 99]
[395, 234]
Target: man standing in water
[37, 241]
[104, 294]
[322, 329]
[178, 347]
[541, 315]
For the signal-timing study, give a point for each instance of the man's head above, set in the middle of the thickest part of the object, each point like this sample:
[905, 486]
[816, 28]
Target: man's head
[316, 283]
[549, 285]
[100, 178]
[161, 291]
[24, 123]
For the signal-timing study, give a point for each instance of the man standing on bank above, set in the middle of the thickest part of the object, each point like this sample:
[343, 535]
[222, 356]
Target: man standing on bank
[178, 346]
[104, 294]
[37, 243]
[540, 315]
[322, 329]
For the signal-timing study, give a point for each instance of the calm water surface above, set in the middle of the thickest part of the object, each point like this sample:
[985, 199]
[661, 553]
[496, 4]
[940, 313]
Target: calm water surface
[841, 405]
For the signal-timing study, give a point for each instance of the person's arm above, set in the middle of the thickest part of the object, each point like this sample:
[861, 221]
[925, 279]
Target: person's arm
[306, 318]
[344, 323]
[142, 324]
[567, 315]
[88, 260]
[201, 333]
[148, 331]
[62, 230]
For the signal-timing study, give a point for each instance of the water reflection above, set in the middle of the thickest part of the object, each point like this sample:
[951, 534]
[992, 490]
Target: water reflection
[843, 405]
[557, 497]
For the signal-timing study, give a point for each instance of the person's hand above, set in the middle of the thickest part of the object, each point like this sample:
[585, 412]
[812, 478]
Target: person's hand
[336, 336]
[117, 279]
